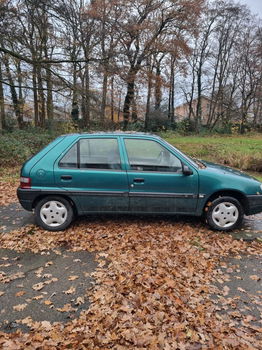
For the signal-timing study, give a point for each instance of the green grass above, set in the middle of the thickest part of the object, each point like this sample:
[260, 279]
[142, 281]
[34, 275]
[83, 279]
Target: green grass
[242, 152]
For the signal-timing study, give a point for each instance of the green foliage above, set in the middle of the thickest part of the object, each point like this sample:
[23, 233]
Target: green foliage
[185, 127]
[17, 146]
[136, 126]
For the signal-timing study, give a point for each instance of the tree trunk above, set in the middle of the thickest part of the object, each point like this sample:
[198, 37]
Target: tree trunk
[129, 96]
[20, 91]
[86, 101]
[148, 100]
[199, 101]
[134, 111]
[171, 100]
[2, 101]
[35, 93]
[158, 85]
[112, 99]
[13, 93]
[104, 93]
[41, 97]
[49, 100]
[119, 106]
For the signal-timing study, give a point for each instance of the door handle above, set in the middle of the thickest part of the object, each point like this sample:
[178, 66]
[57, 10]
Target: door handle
[66, 177]
[139, 180]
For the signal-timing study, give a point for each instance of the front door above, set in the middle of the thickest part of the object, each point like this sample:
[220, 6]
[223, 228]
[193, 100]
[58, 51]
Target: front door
[91, 171]
[156, 180]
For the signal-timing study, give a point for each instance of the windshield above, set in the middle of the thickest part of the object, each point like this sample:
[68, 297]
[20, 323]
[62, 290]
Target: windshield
[189, 159]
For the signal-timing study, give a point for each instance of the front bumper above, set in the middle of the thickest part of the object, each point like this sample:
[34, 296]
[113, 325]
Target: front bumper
[254, 204]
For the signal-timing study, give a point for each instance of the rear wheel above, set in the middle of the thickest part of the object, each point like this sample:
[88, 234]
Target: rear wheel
[224, 214]
[54, 213]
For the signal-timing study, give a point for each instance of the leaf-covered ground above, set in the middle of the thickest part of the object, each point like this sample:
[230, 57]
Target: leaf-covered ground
[9, 181]
[156, 290]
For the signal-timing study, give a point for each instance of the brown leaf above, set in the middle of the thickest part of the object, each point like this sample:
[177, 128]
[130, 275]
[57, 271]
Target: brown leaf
[46, 325]
[19, 294]
[72, 278]
[66, 308]
[255, 277]
[71, 290]
[38, 286]
[19, 307]
[79, 301]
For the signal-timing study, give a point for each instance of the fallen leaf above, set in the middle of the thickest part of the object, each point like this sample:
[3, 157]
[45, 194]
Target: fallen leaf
[255, 277]
[46, 325]
[71, 290]
[72, 278]
[38, 286]
[19, 307]
[66, 308]
[79, 301]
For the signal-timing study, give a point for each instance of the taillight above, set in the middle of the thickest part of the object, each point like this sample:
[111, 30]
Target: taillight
[25, 182]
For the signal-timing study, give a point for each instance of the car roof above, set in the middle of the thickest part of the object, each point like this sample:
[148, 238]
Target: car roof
[113, 133]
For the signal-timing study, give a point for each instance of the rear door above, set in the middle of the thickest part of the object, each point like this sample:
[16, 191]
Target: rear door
[91, 169]
[156, 181]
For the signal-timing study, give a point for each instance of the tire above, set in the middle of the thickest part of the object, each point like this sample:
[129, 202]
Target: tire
[54, 213]
[224, 214]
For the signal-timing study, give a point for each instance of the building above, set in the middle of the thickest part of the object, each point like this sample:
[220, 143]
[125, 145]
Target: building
[182, 111]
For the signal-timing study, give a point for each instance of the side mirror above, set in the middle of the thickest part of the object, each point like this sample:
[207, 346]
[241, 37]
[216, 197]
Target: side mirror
[186, 170]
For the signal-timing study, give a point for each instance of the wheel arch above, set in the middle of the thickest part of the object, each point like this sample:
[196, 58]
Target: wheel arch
[42, 196]
[229, 193]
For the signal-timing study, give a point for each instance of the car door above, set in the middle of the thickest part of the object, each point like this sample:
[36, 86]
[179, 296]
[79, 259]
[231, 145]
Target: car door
[91, 171]
[156, 180]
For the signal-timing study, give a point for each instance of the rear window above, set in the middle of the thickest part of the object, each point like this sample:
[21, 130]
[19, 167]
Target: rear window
[93, 154]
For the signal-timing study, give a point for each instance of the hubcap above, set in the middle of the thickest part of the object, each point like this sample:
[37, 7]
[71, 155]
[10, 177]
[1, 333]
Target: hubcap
[53, 213]
[225, 214]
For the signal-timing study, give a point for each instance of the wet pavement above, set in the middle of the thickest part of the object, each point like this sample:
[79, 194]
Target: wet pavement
[49, 286]
[239, 294]
[13, 217]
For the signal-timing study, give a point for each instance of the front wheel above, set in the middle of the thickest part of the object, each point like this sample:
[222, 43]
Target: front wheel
[224, 214]
[54, 213]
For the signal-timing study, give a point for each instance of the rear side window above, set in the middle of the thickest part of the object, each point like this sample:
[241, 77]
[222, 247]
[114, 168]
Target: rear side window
[93, 154]
[70, 158]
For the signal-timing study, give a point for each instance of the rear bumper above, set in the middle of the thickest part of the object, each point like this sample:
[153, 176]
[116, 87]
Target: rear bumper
[254, 204]
[27, 197]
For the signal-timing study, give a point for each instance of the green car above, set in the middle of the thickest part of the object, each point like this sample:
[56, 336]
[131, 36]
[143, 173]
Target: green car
[135, 173]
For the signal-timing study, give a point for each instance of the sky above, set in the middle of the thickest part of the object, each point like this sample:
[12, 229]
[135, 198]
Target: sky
[254, 5]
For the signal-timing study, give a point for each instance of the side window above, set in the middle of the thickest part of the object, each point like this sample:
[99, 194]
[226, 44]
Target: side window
[99, 154]
[70, 158]
[148, 155]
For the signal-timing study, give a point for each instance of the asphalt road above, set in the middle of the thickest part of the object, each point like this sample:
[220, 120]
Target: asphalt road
[49, 286]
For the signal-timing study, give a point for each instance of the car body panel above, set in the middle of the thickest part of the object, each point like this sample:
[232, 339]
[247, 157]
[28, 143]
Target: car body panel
[32, 161]
[95, 190]
[161, 192]
[111, 190]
